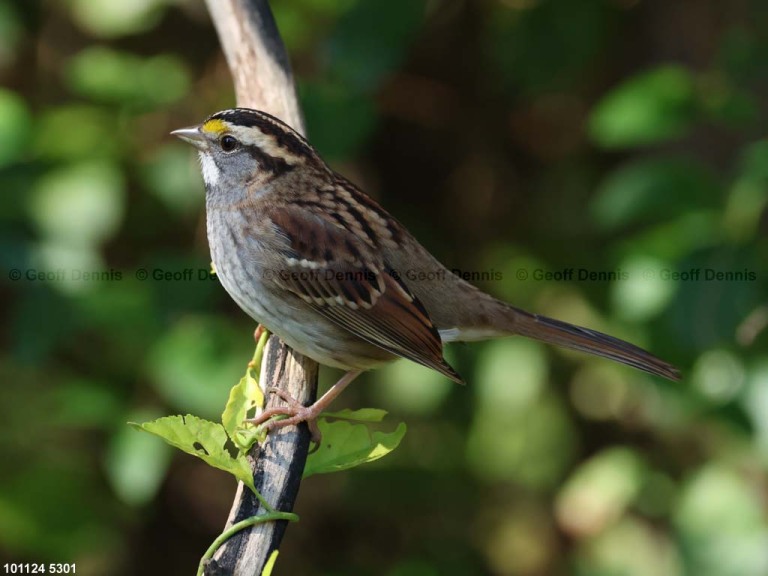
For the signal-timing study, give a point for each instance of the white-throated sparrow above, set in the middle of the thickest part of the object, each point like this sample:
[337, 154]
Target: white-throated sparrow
[323, 266]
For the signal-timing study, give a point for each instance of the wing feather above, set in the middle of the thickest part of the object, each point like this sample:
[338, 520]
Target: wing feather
[342, 278]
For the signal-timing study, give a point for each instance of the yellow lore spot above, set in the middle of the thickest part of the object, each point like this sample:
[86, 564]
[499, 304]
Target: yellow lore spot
[215, 126]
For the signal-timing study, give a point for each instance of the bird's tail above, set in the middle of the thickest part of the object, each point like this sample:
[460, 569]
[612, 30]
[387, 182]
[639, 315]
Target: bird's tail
[586, 340]
[508, 320]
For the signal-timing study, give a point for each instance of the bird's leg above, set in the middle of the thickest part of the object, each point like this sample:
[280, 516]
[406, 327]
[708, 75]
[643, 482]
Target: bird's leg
[258, 332]
[297, 412]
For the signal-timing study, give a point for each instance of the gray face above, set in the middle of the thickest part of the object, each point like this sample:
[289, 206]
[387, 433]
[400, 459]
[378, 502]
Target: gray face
[227, 163]
[226, 172]
[237, 160]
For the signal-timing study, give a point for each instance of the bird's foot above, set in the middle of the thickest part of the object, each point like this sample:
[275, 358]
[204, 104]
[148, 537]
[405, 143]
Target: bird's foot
[295, 413]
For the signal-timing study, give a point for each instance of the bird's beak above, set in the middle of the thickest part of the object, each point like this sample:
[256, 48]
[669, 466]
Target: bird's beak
[193, 135]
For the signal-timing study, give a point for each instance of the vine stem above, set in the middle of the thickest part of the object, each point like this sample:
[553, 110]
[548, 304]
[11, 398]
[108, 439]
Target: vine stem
[242, 525]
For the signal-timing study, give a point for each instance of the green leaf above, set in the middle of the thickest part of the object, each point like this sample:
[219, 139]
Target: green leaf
[238, 404]
[247, 437]
[201, 438]
[347, 445]
[244, 396]
[270, 565]
[652, 107]
[361, 415]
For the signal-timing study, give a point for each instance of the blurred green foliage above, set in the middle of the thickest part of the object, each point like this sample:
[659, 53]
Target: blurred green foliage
[520, 137]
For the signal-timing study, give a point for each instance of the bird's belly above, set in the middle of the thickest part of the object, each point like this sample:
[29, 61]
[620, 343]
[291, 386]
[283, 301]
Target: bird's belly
[293, 320]
[311, 334]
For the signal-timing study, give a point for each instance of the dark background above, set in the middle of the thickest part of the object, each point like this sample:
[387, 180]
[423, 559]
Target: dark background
[514, 138]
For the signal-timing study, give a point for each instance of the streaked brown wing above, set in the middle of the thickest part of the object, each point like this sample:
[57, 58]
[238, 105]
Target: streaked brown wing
[343, 279]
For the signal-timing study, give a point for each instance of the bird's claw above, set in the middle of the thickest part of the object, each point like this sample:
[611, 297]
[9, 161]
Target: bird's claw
[295, 412]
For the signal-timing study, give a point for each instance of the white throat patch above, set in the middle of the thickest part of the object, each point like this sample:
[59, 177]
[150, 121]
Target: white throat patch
[211, 172]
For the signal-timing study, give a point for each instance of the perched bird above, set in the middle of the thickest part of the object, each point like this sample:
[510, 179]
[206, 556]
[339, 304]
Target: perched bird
[313, 259]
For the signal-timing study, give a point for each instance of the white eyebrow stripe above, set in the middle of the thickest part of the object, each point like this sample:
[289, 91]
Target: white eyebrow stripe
[254, 137]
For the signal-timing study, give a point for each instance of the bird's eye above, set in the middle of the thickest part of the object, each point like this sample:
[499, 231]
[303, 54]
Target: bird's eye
[228, 143]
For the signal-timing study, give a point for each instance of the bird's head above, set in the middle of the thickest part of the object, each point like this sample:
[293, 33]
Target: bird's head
[240, 145]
